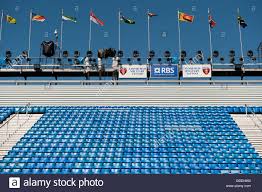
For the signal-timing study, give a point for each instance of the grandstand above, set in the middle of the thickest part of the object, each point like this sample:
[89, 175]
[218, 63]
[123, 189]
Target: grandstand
[132, 140]
[73, 119]
[130, 129]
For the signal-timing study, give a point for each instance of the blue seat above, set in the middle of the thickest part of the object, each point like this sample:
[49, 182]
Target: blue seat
[122, 140]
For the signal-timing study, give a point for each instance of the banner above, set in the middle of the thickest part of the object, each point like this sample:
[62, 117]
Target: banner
[164, 70]
[133, 71]
[197, 71]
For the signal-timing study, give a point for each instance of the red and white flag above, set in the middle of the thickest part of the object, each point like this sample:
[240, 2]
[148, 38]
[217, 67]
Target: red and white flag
[95, 19]
[212, 22]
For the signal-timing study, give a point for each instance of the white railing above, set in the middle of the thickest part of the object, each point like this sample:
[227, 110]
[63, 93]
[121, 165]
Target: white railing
[119, 82]
[253, 116]
[9, 134]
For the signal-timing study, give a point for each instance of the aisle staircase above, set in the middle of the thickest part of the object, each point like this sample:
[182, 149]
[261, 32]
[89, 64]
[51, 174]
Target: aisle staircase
[251, 125]
[13, 129]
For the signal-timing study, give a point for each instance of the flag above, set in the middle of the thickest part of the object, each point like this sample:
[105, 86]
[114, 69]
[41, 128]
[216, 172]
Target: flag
[212, 23]
[95, 19]
[126, 20]
[185, 17]
[68, 18]
[38, 18]
[151, 14]
[10, 19]
[241, 22]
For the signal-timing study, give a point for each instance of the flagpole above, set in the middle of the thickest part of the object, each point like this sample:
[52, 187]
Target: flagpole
[30, 30]
[240, 35]
[119, 30]
[62, 25]
[90, 31]
[2, 16]
[179, 37]
[210, 37]
[148, 31]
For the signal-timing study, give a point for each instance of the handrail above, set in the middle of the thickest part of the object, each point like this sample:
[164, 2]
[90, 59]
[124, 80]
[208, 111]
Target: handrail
[255, 116]
[132, 81]
[8, 121]
[28, 104]
[22, 124]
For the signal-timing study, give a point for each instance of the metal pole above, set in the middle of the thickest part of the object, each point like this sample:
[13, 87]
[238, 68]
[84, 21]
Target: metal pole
[7, 129]
[148, 30]
[90, 31]
[179, 36]
[210, 37]
[61, 37]
[240, 36]
[119, 30]
[30, 29]
[1, 27]
[17, 118]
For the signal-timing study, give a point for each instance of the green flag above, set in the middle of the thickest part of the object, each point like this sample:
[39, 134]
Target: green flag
[68, 18]
[126, 20]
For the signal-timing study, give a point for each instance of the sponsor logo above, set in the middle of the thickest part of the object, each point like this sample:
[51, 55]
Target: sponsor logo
[206, 70]
[133, 71]
[123, 71]
[164, 71]
[197, 71]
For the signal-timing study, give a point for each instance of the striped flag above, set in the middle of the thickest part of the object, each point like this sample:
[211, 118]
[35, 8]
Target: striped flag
[152, 14]
[185, 17]
[126, 20]
[10, 19]
[38, 18]
[241, 22]
[95, 19]
[212, 22]
[68, 18]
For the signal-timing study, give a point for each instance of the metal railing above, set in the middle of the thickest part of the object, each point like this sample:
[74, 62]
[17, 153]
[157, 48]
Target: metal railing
[65, 62]
[16, 115]
[132, 82]
[253, 116]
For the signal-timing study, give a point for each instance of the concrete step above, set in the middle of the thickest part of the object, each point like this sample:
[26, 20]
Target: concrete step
[17, 128]
[252, 128]
[131, 95]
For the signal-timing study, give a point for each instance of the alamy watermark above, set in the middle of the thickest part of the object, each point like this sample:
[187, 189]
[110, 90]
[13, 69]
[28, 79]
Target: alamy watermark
[104, 87]
[170, 133]
[196, 59]
[18, 59]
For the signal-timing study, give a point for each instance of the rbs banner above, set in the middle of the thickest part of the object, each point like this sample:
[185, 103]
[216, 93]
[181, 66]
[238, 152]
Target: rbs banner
[197, 71]
[133, 71]
[164, 70]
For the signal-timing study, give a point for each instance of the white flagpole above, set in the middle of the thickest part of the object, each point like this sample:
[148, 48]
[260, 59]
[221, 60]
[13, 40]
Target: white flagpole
[240, 36]
[90, 31]
[2, 17]
[148, 31]
[30, 30]
[179, 37]
[210, 37]
[62, 25]
[119, 30]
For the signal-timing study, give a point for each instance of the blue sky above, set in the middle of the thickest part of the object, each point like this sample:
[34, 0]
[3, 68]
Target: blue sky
[193, 36]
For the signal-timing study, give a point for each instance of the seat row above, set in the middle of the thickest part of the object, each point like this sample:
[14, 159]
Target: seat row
[125, 171]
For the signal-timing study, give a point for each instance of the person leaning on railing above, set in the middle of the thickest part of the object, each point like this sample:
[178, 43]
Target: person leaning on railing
[87, 64]
[115, 66]
[100, 67]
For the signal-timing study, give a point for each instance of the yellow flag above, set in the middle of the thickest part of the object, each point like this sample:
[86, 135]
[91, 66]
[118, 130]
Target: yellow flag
[185, 17]
[10, 19]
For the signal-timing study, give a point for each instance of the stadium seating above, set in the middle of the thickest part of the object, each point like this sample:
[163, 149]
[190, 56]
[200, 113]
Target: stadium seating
[5, 112]
[133, 140]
